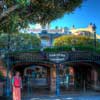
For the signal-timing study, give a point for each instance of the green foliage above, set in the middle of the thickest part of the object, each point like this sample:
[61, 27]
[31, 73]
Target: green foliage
[67, 42]
[73, 40]
[19, 41]
[84, 48]
[98, 50]
[69, 48]
[37, 11]
[35, 50]
[9, 3]
[58, 49]
[23, 2]
[11, 26]
[1, 74]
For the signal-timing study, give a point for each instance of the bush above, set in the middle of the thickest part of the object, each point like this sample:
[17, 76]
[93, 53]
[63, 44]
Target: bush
[58, 49]
[98, 50]
[84, 48]
[69, 48]
[73, 40]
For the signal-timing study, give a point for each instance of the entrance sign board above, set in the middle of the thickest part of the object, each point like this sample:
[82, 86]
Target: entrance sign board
[57, 57]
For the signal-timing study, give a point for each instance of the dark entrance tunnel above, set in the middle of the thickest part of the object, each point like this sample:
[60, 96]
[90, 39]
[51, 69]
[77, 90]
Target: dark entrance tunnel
[80, 76]
[83, 75]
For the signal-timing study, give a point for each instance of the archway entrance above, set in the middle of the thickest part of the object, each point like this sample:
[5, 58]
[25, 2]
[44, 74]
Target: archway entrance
[78, 77]
[83, 79]
[67, 79]
[37, 78]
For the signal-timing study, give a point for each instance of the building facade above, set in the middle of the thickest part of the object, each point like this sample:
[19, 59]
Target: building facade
[48, 35]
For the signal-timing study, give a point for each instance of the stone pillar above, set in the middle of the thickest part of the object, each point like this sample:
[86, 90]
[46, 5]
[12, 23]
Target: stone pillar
[48, 77]
[53, 79]
[94, 77]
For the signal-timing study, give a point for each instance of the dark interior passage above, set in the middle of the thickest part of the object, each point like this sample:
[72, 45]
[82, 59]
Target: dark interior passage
[81, 76]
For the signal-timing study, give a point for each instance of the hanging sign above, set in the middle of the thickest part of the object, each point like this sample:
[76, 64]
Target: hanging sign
[57, 57]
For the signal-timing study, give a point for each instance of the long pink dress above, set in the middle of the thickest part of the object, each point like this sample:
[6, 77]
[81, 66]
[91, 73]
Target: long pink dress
[16, 90]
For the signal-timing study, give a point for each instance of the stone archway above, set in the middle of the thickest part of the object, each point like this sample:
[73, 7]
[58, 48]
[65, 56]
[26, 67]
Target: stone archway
[44, 79]
[88, 73]
[83, 75]
[80, 76]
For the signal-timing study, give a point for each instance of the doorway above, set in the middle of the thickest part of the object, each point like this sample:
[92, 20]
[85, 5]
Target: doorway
[36, 80]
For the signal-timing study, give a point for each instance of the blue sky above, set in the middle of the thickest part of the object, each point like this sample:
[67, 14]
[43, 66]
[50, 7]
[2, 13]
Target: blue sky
[81, 17]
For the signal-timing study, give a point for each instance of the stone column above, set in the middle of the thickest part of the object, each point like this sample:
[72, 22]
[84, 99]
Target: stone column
[94, 77]
[53, 79]
[48, 77]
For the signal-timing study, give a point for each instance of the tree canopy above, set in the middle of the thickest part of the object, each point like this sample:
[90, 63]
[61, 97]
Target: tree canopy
[37, 11]
[19, 41]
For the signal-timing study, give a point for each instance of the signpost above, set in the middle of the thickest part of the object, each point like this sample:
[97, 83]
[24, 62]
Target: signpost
[57, 58]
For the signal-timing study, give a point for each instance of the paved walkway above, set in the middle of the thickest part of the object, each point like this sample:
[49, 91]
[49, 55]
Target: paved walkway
[66, 98]
[81, 96]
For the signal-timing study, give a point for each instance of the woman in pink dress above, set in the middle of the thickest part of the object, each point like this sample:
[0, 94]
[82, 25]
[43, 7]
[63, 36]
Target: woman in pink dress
[16, 86]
